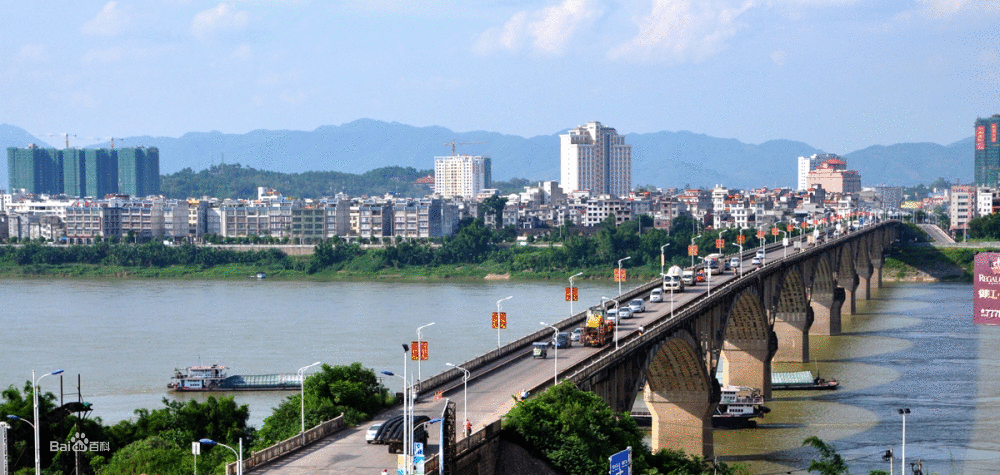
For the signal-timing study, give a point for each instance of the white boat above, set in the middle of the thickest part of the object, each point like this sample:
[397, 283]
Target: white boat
[214, 378]
[738, 407]
[197, 378]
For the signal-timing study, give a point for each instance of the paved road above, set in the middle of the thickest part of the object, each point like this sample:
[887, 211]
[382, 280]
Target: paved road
[937, 234]
[489, 398]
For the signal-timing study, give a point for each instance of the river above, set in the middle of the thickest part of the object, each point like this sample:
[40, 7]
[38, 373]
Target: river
[913, 345]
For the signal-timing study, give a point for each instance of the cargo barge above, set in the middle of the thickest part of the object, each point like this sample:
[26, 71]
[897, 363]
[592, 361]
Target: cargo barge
[214, 378]
[800, 380]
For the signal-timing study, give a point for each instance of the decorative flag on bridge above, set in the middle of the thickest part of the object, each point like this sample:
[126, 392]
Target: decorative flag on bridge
[720, 243]
[775, 231]
[418, 350]
[760, 234]
[620, 275]
[500, 320]
[572, 293]
[693, 250]
[740, 239]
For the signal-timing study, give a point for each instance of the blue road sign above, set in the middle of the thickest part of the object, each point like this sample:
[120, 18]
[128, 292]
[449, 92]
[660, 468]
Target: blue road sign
[621, 463]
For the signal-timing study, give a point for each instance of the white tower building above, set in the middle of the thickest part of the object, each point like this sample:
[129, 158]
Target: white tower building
[461, 175]
[595, 158]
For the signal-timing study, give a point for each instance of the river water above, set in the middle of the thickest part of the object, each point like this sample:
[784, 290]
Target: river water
[913, 345]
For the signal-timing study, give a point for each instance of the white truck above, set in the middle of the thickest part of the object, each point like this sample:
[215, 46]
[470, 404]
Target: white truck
[672, 280]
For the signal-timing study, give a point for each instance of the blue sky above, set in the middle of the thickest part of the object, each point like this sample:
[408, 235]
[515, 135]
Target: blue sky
[840, 75]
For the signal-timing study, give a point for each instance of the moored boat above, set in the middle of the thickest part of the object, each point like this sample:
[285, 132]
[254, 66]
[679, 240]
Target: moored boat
[738, 407]
[800, 380]
[214, 378]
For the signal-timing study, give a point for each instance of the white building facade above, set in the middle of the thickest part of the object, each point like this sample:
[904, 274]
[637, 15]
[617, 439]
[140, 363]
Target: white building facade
[595, 158]
[461, 175]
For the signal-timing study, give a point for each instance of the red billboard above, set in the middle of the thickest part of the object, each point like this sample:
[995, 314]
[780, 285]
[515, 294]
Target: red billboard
[981, 137]
[993, 132]
[986, 291]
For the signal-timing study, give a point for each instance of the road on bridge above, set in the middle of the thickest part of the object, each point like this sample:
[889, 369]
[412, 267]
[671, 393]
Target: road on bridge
[489, 397]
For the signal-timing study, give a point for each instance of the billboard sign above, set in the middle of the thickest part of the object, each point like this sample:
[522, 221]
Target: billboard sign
[986, 289]
[993, 132]
[981, 137]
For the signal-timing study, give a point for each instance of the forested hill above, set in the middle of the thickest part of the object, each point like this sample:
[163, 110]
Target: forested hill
[236, 181]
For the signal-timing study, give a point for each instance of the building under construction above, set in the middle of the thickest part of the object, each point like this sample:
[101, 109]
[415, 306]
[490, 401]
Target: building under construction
[133, 171]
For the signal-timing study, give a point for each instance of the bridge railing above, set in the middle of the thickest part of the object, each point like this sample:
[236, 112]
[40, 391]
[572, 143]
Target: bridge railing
[289, 445]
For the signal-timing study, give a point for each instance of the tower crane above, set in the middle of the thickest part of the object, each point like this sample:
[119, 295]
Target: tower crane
[64, 135]
[454, 143]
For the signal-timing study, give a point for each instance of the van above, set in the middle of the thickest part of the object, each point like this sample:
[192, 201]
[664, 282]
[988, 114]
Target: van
[687, 277]
[656, 295]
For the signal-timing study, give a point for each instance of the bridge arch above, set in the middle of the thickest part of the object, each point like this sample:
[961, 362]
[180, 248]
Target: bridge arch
[826, 298]
[746, 351]
[681, 395]
[792, 319]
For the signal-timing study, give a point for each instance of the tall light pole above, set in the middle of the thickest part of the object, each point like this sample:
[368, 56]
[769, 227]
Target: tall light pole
[620, 274]
[3, 447]
[692, 255]
[578, 274]
[903, 412]
[664, 277]
[13, 418]
[555, 359]
[618, 318]
[406, 412]
[239, 455]
[420, 350]
[740, 244]
[302, 385]
[662, 259]
[498, 319]
[784, 248]
[465, 393]
[34, 395]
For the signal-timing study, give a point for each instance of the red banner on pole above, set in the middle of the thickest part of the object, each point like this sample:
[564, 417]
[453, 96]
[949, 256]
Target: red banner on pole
[720, 243]
[693, 250]
[569, 294]
[775, 231]
[496, 320]
[503, 320]
[790, 228]
[414, 350]
[576, 294]
[740, 239]
[760, 234]
[986, 293]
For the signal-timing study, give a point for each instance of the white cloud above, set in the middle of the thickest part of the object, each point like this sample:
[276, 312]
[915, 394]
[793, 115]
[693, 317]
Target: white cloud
[679, 30]
[779, 58]
[32, 52]
[548, 30]
[223, 18]
[244, 52]
[110, 21]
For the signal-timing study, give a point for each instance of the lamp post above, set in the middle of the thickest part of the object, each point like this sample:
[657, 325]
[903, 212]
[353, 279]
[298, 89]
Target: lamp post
[784, 248]
[34, 394]
[498, 318]
[420, 349]
[664, 276]
[617, 318]
[406, 411]
[3, 447]
[13, 418]
[620, 274]
[440, 439]
[578, 274]
[662, 259]
[903, 412]
[692, 255]
[302, 385]
[740, 244]
[465, 392]
[239, 455]
[555, 359]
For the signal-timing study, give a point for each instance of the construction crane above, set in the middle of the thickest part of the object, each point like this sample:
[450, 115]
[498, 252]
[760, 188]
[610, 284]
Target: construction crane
[454, 143]
[64, 135]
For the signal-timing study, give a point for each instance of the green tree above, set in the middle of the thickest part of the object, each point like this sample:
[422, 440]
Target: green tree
[830, 462]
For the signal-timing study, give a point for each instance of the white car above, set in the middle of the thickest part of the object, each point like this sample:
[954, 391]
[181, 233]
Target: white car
[656, 295]
[734, 263]
[637, 306]
[755, 261]
[760, 253]
[370, 435]
[624, 312]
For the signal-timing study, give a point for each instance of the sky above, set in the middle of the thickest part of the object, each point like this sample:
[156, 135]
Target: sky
[840, 75]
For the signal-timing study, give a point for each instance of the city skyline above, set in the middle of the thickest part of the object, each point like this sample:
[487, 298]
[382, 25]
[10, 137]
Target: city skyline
[839, 74]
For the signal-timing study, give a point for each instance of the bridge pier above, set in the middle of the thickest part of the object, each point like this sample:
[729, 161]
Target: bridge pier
[682, 420]
[864, 290]
[826, 309]
[875, 280]
[850, 285]
[748, 363]
[792, 329]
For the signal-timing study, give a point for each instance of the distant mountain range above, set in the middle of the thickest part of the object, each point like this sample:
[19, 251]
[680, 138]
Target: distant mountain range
[663, 159]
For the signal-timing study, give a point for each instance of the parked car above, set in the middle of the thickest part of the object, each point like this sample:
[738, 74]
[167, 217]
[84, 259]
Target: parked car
[624, 312]
[637, 306]
[688, 277]
[656, 295]
[562, 340]
[370, 435]
[577, 334]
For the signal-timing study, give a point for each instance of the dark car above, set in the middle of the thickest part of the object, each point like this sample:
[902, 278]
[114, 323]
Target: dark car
[562, 340]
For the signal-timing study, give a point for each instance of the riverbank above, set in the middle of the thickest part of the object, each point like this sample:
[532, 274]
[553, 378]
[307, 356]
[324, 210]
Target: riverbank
[923, 263]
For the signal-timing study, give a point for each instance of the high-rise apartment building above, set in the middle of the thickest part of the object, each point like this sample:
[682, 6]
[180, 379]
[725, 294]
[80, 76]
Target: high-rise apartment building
[82, 173]
[987, 165]
[461, 175]
[808, 164]
[595, 158]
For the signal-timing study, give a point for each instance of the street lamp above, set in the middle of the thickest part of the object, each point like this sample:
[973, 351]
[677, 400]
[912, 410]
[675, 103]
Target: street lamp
[302, 385]
[555, 359]
[578, 274]
[692, 255]
[620, 273]
[740, 244]
[664, 276]
[34, 394]
[498, 318]
[3, 447]
[420, 352]
[239, 455]
[407, 412]
[465, 393]
[662, 260]
[903, 412]
[618, 318]
[440, 442]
